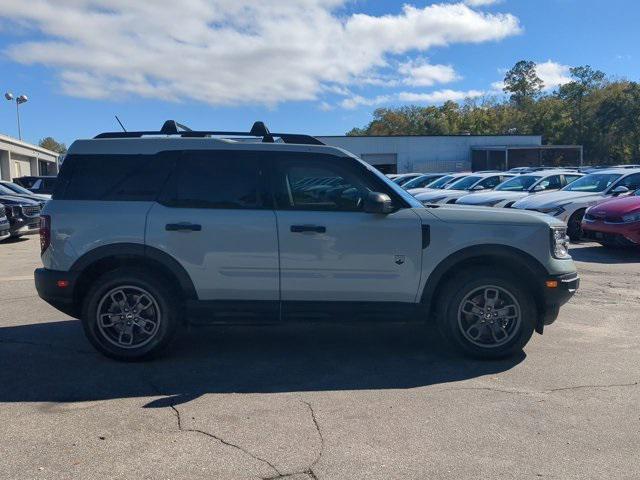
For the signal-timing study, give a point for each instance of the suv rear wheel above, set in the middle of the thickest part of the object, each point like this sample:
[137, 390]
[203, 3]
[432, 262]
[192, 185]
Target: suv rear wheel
[486, 314]
[129, 315]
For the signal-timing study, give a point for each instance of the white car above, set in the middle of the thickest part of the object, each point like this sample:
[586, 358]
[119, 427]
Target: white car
[476, 182]
[517, 188]
[439, 184]
[570, 203]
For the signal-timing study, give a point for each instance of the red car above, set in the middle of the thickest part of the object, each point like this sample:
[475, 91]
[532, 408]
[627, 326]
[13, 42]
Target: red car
[615, 222]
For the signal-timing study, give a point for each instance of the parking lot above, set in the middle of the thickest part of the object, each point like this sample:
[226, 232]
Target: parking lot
[326, 402]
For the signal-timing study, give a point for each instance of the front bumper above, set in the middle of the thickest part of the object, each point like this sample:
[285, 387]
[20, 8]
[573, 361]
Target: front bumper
[57, 289]
[558, 290]
[5, 231]
[24, 226]
[622, 234]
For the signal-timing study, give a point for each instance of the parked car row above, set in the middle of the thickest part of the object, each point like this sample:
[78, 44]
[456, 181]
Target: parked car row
[565, 194]
[19, 210]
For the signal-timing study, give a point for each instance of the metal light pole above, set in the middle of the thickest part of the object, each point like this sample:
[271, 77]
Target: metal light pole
[19, 101]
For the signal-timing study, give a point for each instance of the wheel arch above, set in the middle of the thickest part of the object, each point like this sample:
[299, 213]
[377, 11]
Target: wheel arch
[528, 268]
[106, 258]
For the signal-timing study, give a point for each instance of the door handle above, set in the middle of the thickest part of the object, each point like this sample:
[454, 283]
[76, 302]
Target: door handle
[308, 228]
[183, 227]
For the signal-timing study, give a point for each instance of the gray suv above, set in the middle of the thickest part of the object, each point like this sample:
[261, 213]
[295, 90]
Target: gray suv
[148, 231]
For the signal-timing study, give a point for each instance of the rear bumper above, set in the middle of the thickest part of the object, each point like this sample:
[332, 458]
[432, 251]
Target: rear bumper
[556, 296]
[57, 289]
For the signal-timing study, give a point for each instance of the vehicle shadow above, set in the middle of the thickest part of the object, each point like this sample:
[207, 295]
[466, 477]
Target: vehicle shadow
[600, 254]
[16, 240]
[52, 362]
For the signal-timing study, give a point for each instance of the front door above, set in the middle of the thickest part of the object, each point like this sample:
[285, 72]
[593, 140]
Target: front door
[330, 249]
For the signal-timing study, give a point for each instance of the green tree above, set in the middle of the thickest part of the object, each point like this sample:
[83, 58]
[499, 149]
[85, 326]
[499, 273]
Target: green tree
[51, 144]
[522, 83]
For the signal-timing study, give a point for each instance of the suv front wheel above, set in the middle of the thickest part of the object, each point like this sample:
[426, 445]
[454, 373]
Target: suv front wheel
[486, 314]
[129, 315]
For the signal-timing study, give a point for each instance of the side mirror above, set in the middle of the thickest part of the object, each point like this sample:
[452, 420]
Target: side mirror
[539, 188]
[620, 190]
[477, 188]
[379, 203]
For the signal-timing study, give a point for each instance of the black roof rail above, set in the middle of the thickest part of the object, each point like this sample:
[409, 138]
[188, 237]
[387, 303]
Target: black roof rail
[259, 129]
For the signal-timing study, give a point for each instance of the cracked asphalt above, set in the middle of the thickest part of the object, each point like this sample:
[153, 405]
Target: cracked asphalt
[324, 402]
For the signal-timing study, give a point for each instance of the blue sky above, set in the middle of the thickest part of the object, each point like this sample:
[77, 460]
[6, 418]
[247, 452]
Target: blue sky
[309, 66]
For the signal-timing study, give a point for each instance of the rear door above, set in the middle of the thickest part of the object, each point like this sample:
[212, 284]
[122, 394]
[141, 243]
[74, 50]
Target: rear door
[330, 249]
[215, 219]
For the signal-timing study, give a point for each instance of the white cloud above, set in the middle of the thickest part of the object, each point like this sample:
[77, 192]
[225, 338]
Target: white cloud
[553, 74]
[226, 52]
[359, 101]
[419, 73]
[432, 98]
[439, 96]
[481, 3]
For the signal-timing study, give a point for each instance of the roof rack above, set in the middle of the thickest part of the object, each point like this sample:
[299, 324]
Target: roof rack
[259, 129]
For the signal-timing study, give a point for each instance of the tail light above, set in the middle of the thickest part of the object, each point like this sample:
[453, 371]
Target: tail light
[45, 233]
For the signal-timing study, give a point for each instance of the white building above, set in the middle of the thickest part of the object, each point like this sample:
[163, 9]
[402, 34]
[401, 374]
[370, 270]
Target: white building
[403, 154]
[19, 159]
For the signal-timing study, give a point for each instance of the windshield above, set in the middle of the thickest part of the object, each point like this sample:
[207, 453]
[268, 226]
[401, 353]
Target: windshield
[465, 183]
[442, 182]
[596, 182]
[16, 188]
[518, 184]
[5, 191]
[420, 182]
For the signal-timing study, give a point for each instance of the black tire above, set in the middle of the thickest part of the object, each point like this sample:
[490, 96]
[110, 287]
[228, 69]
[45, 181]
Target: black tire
[574, 226]
[451, 320]
[135, 284]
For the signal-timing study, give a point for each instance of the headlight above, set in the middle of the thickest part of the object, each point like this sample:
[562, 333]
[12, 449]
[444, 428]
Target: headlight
[559, 243]
[555, 211]
[632, 217]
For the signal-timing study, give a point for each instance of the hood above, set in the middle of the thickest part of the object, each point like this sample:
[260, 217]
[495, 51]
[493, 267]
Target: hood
[492, 216]
[17, 200]
[553, 199]
[484, 198]
[431, 194]
[617, 206]
[416, 191]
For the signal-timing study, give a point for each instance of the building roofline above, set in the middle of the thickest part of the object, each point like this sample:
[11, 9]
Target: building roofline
[20, 143]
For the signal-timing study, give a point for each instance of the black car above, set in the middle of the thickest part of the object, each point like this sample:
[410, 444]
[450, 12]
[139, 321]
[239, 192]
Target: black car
[4, 224]
[38, 184]
[23, 214]
[15, 190]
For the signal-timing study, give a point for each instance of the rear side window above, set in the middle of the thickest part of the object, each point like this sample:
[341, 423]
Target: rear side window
[113, 177]
[216, 179]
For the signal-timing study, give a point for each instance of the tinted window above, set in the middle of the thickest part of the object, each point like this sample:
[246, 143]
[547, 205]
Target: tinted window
[632, 182]
[307, 182]
[552, 183]
[491, 182]
[113, 177]
[216, 179]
